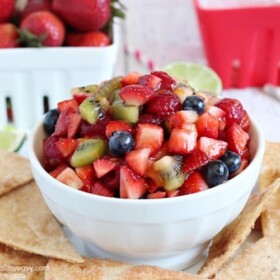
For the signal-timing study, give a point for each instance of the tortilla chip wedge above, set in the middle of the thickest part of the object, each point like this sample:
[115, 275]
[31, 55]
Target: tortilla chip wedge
[227, 242]
[14, 171]
[260, 261]
[28, 225]
[21, 265]
[103, 269]
[271, 171]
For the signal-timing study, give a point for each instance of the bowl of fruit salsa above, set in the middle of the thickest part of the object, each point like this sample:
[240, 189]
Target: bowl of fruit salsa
[145, 169]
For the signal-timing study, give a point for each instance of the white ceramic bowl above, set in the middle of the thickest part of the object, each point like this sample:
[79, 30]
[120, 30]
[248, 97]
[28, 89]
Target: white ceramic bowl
[171, 232]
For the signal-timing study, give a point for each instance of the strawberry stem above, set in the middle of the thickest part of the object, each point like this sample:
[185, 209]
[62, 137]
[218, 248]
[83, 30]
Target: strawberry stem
[27, 39]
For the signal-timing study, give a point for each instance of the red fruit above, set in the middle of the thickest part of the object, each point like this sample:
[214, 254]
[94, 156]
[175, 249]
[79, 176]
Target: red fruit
[58, 170]
[149, 136]
[162, 152]
[84, 15]
[114, 126]
[130, 79]
[70, 178]
[211, 147]
[219, 114]
[173, 193]
[103, 166]
[154, 179]
[94, 130]
[86, 174]
[182, 118]
[245, 121]
[149, 118]
[88, 39]
[167, 82]
[137, 160]
[99, 188]
[193, 184]
[8, 35]
[237, 139]
[131, 185]
[73, 124]
[45, 24]
[194, 160]
[163, 105]
[151, 81]
[233, 110]
[136, 94]
[35, 6]
[158, 194]
[6, 10]
[81, 96]
[152, 186]
[68, 104]
[112, 179]
[182, 141]
[208, 126]
[67, 146]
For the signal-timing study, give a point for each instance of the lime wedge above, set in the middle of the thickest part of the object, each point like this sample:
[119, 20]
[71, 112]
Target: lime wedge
[11, 139]
[200, 77]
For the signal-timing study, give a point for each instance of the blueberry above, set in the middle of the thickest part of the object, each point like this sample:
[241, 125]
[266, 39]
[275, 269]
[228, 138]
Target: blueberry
[216, 173]
[194, 103]
[120, 143]
[50, 121]
[232, 161]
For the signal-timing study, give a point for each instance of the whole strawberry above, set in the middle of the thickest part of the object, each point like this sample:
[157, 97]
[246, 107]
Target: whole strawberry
[42, 29]
[6, 10]
[8, 35]
[84, 15]
[87, 39]
[36, 6]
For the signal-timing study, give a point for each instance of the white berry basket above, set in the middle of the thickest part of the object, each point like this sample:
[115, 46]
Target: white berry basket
[32, 80]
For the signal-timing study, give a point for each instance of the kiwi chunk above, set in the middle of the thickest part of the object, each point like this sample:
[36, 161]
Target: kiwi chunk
[88, 151]
[90, 109]
[169, 168]
[88, 89]
[108, 88]
[129, 113]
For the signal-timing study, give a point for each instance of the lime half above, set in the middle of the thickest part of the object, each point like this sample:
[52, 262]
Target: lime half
[11, 139]
[200, 77]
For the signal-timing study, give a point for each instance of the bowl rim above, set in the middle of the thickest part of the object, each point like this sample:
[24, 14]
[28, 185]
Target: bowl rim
[200, 195]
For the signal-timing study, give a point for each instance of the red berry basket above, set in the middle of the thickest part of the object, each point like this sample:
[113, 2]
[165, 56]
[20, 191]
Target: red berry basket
[242, 44]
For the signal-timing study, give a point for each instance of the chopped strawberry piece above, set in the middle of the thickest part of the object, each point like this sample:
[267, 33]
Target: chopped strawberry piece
[237, 139]
[67, 146]
[61, 123]
[181, 118]
[149, 136]
[211, 147]
[103, 166]
[244, 164]
[194, 160]
[85, 173]
[137, 160]
[81, 96]
[136, 94]
[152, 186]
[245, 154]
[114, 126]
[167, 82]
[158, 194]
[73, 124]
[99, 189]
[149, 118]
[233, 110]
[70, 178]
[245, 121]
[151, 81]
[131, 185]
[58, 170]
[162, 152]
[68, 104]
[182, 141]
[173, 193]
[163, 105]
[130, 79]
[207, 125]
[194, 183]
[112, 179]
[219, 114]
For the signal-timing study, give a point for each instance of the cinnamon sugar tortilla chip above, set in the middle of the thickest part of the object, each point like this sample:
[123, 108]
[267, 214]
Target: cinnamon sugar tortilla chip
[103, 269]
[14, 171]
[260, 261]
[21, 265]
[228, 241]
[271, 171]
[28, 225]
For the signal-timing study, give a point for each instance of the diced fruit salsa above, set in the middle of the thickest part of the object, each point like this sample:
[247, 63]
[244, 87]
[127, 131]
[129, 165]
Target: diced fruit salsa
[145, 136]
